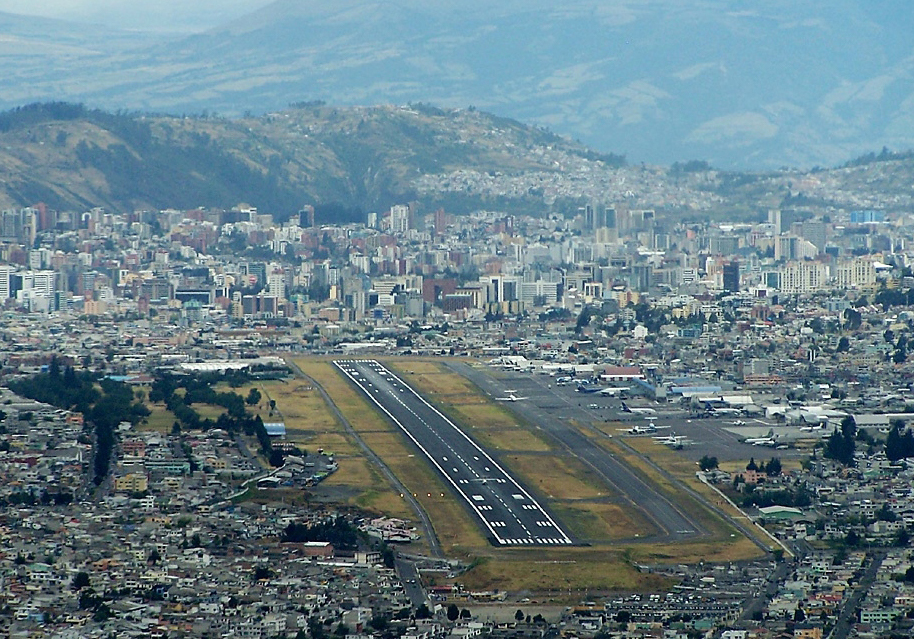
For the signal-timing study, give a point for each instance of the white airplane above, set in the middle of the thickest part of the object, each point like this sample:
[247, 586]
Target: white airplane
[637, 411]
[770, 440]
[672, 440]
[612, 391]
[510, 398]
[637, 429]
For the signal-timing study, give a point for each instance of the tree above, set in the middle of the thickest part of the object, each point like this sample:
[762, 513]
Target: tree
[844, 345]
[751, 465]
[840, 445]
[707, 463]
[899, 443]
[101, 614]
[253, 397]
[379, 622]
[453, 612]
[464, 613]
[276, 458]
[519, 615]
[773, 467]
[80, 581]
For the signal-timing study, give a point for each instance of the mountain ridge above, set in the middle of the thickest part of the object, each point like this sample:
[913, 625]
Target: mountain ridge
[350, 160]
[740, 85]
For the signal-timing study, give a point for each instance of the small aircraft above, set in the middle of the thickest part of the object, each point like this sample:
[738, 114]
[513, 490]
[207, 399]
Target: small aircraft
[510, 398]
[637, 411]
[739, 422]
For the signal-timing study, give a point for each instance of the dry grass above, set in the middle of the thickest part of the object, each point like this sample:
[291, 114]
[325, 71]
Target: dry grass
[431, 378]
[557, 477]
[458, 533]
[584, 504]
[602, 522]
[684, 471]
[160, 419]
[511, 439]
[562, 573]
[736, 548]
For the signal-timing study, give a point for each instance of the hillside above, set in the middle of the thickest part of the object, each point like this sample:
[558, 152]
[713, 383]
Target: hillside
[743, 85]
[347, 159]
[350, 160]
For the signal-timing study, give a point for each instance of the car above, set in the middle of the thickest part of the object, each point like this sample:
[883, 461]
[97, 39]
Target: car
[594, 406]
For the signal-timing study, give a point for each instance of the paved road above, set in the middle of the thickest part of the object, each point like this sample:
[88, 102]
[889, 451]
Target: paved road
[430, 536]
[412, 585]
[848, 614]
[506, 510]
[550, 409]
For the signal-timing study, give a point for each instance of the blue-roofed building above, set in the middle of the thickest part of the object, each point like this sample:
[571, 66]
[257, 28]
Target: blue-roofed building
[275, 429]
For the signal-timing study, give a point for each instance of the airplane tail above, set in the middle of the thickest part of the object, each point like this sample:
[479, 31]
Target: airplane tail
[625, 409]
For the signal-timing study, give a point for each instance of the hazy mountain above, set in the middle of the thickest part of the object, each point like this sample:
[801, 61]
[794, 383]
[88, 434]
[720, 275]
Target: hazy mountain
[343, 160]
[351, 160]
[739, 83]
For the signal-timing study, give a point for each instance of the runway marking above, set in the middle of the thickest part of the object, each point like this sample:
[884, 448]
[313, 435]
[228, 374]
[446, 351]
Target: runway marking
[376, 368]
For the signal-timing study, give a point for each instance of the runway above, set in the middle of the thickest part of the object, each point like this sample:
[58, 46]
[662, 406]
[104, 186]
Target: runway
[672, 521]
[504, 508]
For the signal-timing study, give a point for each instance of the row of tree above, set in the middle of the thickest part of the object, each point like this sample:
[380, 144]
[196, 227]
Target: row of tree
[199, 390]
[335, 530]
[104, 403]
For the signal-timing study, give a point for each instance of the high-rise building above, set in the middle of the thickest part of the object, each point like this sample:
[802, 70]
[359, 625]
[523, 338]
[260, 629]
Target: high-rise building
[306, 216]
[731, 276]
[854, 273]
[5, 272]
[802, 277]
[814, 232]
[399, 218]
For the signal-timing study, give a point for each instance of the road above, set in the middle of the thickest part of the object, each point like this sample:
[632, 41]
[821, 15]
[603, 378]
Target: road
[412, 585]
[506, 510]
[551, 411]
[848, 614]
[430, 536]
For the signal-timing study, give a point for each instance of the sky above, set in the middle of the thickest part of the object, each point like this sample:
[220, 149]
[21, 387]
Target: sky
[160, 15]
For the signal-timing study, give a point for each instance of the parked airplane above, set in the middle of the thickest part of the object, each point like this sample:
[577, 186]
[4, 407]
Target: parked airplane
[510, 398]
[589, 389]
[770, 440]
[720, 410]
[612, 391]
[637, 411]
[676, 441]
[638, 429]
